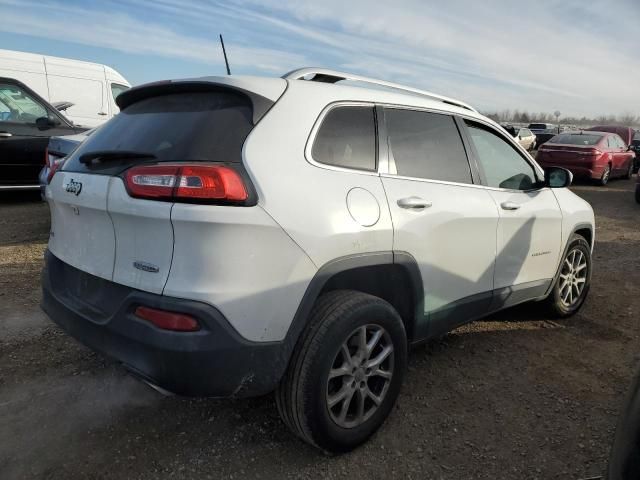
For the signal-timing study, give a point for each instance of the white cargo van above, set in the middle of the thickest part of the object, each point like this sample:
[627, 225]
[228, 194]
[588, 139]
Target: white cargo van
[90, 87]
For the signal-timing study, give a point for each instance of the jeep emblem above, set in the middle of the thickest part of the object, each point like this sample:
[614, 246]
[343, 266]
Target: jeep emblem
[73, 187]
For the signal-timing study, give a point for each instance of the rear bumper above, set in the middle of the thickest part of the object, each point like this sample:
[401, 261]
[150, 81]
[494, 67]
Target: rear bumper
[214, 361]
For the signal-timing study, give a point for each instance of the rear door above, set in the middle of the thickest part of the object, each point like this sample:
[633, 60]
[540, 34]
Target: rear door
[22, 142]
[440, 217]
[529, 231]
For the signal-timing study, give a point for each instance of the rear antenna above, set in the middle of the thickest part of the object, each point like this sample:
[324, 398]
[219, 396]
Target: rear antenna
[224, 52]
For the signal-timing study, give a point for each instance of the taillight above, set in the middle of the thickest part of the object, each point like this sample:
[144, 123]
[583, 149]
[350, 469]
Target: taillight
[54, 163]
[591, 153]
[186, 183]
[178, 322]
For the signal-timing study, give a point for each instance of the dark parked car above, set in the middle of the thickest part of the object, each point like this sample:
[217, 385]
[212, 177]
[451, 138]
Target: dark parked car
[26, 123]
[543, 131]
[624, 461]
[635, 146]
[595, 155]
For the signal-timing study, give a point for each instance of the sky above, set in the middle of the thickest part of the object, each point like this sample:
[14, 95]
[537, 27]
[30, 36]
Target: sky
[575, 56]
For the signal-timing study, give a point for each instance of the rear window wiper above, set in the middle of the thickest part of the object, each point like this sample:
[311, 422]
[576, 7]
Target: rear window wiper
[103, 155]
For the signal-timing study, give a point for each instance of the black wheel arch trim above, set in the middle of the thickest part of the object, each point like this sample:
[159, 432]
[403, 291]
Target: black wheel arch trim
[353, 262]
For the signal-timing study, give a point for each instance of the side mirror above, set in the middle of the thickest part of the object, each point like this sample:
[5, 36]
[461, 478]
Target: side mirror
[45, 123]
[557, 177]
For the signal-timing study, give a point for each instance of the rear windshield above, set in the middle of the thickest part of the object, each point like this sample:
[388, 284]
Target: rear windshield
[576, 139]
[195, 127]
[538, 126]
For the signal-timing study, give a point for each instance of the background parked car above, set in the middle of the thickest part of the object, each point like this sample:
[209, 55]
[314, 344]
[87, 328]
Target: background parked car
[595, 155]
[91, 88]
[526, 138]
[26, 123]
[543, 131]
[58, 149]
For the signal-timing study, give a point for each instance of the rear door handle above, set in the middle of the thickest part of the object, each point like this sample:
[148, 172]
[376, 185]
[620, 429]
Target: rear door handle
[415, 203]
[103, 113]
[509, 206]
[5, 135]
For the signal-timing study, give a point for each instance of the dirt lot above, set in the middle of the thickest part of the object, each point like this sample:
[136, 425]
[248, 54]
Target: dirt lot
[514, 397]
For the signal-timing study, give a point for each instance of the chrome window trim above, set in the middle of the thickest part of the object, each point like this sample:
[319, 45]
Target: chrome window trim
[383, 161]
[314, 132]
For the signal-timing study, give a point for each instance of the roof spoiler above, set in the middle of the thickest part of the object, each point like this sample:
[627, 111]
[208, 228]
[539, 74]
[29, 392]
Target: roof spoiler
[166, 87]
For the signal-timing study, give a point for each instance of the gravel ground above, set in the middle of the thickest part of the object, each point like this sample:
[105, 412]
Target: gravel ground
[516, 396]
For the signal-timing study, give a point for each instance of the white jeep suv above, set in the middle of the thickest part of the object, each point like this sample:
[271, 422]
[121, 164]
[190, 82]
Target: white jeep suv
[234, 236]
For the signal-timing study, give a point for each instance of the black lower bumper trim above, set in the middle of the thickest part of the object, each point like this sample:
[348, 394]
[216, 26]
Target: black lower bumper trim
[214, 361]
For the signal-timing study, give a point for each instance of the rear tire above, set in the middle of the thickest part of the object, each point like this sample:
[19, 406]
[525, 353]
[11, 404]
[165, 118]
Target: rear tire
[572, 285]
[327, 394]
[606, 176]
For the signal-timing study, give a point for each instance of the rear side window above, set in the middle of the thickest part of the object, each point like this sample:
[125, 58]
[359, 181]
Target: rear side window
[426, 145]
[191, 127]
[347, 138]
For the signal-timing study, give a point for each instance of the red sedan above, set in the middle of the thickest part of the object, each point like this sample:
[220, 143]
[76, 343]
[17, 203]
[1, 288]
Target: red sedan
[595, 155]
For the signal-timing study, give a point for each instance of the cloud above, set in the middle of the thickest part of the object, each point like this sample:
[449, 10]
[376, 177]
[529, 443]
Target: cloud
[119, 31]
[575, 56]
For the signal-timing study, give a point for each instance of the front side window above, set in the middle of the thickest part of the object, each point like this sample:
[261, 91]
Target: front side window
[347, 138]
[18, 106]
[503, 166]
[426, 145]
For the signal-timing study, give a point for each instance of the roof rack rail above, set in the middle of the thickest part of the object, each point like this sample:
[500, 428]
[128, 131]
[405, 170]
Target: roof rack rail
[331, 76]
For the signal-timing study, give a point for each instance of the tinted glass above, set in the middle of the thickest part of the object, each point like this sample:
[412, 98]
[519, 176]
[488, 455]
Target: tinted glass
[618, 141]
[347, 138]
[538, 126]
[203, 126]
[576, 139]
[427, 145]
[117, 89]
[502, 165]
[18, 106]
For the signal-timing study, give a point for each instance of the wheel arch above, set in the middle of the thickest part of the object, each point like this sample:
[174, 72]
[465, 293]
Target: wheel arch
[388, 275]
[583, 229]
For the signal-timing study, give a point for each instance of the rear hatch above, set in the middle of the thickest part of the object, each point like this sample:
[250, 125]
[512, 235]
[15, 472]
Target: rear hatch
[111, 201]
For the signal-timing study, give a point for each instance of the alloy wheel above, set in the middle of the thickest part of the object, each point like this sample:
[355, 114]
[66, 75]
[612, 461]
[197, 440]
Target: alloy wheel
[573, 277]
[360, 376]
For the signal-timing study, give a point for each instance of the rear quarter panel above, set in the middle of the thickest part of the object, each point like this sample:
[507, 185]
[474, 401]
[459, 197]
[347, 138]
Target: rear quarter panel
[307, 200]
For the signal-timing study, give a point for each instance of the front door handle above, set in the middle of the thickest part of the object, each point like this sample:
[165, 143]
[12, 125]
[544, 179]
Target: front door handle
[103, 113]
[5, 135]
[509, 206]
[414, 203]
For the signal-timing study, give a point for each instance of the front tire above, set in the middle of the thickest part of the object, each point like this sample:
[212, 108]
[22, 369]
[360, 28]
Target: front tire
[572, 285]
[629, 174]
[346, 371]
